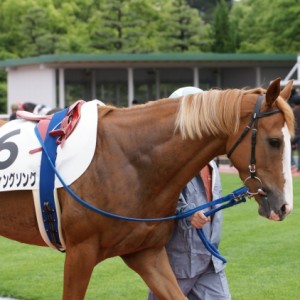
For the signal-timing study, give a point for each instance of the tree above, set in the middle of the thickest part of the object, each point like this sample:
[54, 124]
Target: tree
[71, 22]
[3, 93]
[206, 8]
[223, 35]
[10, 35]
[143, 35]
[125, 26]
[109, 28]
[34, 27]
[183, 29]
[267, 27]
[37, 38]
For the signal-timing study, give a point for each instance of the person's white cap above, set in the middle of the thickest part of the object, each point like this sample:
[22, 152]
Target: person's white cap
[185, 91]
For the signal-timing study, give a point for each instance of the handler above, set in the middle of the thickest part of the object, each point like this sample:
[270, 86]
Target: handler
[200, 275]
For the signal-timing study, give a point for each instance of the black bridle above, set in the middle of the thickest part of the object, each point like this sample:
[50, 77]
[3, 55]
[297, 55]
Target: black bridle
[256, 115]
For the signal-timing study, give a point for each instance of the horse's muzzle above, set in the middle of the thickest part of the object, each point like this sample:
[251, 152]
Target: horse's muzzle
[271, 213]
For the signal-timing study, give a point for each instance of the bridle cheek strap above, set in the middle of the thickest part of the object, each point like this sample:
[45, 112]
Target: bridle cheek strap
[254, 120]
[256, 115]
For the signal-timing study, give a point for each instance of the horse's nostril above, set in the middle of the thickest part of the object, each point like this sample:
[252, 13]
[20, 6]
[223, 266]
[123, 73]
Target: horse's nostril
[286, 209]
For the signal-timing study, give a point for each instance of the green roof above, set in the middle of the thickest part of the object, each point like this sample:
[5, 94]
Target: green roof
[164, 57]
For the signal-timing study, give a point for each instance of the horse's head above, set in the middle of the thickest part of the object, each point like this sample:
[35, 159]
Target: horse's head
[261, 150]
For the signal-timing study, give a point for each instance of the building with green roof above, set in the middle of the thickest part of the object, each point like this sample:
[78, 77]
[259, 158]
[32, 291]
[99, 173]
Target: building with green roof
[118, 79]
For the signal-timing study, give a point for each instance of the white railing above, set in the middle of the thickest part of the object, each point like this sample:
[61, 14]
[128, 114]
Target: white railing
[294, 71]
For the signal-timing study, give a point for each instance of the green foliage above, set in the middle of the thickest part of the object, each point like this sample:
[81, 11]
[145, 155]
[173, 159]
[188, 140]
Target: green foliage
[262, 255]
[3, 94]
[31, 28]
[143, 36]
[206, 8]
[223, 35]
[267, 27]
[117, 25]
[183, 30]
[35, 27]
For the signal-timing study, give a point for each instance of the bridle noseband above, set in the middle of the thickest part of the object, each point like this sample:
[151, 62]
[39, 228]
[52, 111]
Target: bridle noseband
[256, 115]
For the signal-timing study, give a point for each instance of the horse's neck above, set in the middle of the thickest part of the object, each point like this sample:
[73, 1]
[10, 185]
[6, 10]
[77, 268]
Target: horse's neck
[154, 157]
[173, 162]
[182, 159]
[169, 151]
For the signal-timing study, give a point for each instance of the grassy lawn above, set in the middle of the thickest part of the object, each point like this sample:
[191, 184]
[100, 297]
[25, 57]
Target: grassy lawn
[263, 261]
[263, 256]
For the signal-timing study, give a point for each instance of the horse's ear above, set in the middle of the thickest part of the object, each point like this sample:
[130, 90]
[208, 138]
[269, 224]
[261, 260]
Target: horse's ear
[273, 91]
[286, 92]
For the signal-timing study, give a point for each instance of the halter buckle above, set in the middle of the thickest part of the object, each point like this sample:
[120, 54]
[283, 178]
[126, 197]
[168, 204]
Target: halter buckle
[240, 198]
[252, 169]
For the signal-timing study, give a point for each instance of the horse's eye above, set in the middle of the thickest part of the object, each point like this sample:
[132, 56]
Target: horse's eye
[275, 143]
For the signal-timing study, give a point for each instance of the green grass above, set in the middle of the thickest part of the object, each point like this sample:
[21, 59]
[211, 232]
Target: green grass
[263, 261]
[263, 256]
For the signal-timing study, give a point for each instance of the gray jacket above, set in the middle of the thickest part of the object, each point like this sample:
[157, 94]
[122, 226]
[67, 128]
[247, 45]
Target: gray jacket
[187, 254]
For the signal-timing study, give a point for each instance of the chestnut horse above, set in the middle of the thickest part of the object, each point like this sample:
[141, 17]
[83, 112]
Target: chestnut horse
[144, 156]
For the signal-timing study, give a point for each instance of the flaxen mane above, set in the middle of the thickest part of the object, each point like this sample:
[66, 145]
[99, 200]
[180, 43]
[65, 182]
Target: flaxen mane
[218, 111]
[213, 112]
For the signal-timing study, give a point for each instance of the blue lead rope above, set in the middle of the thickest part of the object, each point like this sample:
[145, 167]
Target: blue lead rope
[236, 197]
[209, 246]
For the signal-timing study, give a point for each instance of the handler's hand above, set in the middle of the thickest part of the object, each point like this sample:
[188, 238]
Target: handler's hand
[199, 219]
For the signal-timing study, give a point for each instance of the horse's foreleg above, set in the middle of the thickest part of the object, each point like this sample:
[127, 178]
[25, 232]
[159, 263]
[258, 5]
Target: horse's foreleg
[79, 264]
[153, 266]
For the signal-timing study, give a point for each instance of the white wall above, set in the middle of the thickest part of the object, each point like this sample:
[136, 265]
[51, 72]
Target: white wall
[31, 84]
